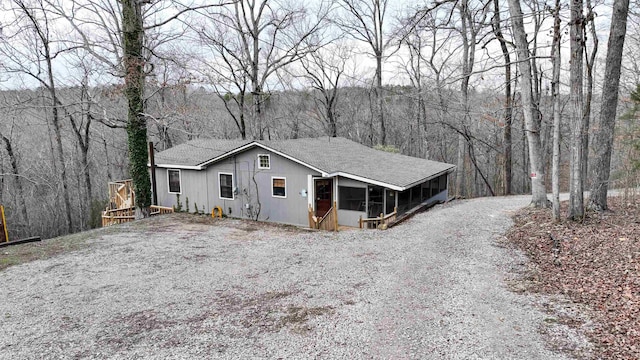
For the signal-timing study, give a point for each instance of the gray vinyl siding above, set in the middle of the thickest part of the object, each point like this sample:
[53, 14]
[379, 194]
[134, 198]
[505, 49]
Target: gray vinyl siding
[202, 187]
[192, 187]
[289, 210]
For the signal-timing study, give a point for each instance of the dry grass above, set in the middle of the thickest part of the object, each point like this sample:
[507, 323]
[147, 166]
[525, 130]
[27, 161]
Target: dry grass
[23, 253]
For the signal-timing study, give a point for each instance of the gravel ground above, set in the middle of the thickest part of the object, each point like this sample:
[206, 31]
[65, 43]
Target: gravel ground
[433, 287]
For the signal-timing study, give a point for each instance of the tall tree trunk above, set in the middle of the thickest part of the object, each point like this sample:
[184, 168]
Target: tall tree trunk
[83, 140]
[258, 112]
[460, 168]
[58, 135]
[331, 117]
[106, 157]
[590, 62]
[538, 190]
[600, 168]
[380, 99]
[18, 182]
[576, 181]
[555, 85]
[508, 106]
[133, 35]
[255, 82]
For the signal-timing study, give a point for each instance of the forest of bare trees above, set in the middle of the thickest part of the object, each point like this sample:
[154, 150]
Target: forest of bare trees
[520, 95]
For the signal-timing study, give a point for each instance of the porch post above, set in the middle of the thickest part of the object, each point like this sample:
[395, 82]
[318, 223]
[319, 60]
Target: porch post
[310, 190]
[396, 199]
[335, 214]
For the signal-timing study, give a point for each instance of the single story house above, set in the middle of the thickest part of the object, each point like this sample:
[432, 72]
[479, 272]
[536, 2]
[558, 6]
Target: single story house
[283, 181]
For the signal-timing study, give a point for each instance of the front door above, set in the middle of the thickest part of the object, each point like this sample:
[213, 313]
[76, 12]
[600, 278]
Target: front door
[324, 196]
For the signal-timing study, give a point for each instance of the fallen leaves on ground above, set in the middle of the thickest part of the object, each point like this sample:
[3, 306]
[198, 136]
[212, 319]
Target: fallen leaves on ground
[595, 262]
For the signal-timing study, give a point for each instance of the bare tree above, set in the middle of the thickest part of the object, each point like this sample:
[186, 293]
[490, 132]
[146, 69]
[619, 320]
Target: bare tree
[508, 101]
[555, 93]
[35, 60]
[15, 172]
[601, 167]
[364, 20]
[472, 20]
[323, 70]
[576, 180]
[532, 122]
[590, 64]
[413, 67]
[134, 62]
[251, 40]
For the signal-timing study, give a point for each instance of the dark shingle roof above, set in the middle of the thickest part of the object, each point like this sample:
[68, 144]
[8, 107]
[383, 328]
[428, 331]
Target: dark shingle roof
[341, 155]
[331, 155]
[196, 152]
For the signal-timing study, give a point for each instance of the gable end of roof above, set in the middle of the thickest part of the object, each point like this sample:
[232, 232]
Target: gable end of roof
[264, 147]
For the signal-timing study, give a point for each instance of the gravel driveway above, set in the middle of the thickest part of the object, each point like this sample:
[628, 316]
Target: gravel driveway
[430, 288]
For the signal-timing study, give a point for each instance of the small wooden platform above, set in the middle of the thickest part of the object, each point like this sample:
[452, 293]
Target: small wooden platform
[121, 208]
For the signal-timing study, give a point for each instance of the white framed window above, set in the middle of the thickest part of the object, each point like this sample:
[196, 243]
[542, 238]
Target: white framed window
[279, 187]
[264, 161]
[225, 186]
[174, 180]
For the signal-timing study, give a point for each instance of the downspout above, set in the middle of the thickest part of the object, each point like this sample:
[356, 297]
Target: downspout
[206, 183]
[335, 201]
[154, 188]
[234, 185]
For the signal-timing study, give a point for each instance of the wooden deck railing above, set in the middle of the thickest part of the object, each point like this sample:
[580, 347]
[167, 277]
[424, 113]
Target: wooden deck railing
[160, 210]
[118, 216]
[328, 222]
[121, 208]
[121, 216]
[381, 222]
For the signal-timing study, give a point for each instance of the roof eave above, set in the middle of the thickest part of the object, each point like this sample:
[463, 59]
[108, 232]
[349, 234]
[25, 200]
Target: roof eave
[446, 171]
[366, 180]
[388, 185]
[172, 166]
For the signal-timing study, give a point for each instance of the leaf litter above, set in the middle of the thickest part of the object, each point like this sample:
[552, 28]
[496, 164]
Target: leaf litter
[594, 263]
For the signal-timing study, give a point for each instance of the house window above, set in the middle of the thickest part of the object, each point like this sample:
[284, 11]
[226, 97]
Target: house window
[175, 186]
[226, 186]
[351, 198]
[279, 187]
[264, 161]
